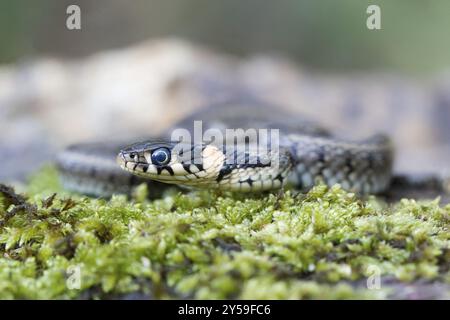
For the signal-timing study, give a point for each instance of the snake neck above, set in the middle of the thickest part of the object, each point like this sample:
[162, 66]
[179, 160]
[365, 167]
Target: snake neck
[255, 171]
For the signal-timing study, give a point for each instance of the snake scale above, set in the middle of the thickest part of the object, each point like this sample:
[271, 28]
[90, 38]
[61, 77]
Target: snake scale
[305, 154]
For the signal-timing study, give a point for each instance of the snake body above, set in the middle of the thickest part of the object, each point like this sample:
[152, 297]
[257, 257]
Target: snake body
[306, 154]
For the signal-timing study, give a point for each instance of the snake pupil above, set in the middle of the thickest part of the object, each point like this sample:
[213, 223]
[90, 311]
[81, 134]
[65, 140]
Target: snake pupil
[161, 156]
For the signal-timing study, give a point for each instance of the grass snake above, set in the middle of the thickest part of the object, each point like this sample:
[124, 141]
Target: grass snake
[305, 154]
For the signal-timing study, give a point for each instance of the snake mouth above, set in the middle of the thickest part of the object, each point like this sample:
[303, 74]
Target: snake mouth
[131, 163]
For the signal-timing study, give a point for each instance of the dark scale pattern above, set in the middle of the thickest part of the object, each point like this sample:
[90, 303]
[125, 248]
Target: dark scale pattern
[187, 167]
[167, 168]
[226, 170]
[249, 181]
[240, 161]
[279, 177]
[362, 167]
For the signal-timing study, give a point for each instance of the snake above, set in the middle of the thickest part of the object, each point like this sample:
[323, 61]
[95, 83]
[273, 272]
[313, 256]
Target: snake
[303, 155]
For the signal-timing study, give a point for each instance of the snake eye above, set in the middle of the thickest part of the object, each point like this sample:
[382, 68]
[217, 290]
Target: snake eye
[161, 156]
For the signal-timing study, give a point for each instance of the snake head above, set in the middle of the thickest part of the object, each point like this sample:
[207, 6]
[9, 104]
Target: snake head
[172, 162]
[205, 165]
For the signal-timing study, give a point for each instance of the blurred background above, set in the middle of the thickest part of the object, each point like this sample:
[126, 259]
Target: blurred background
[135, 67]
[323, 35]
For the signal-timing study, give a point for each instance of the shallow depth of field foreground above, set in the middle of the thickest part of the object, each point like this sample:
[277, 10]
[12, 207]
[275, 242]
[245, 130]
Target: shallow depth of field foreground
[323, 244]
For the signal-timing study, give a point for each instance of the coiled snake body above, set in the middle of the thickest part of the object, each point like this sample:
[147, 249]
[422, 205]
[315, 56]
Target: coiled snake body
[305, 154]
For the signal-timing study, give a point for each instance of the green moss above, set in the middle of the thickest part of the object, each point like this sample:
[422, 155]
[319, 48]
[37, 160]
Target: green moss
[203, 245]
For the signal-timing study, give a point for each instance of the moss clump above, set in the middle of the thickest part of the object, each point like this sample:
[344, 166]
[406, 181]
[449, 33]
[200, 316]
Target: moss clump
[202, 245]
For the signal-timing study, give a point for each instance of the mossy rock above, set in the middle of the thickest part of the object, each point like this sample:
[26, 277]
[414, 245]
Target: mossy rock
[324, 244]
